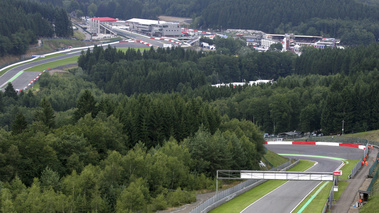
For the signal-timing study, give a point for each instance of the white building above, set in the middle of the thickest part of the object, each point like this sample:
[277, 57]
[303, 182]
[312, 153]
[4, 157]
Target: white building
[155, 27]
[326, 42]
[266, 43]
[250, 83]
[95, 24]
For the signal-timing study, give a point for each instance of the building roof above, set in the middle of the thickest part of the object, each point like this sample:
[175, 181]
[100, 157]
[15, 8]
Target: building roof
[105, 19]
[147, 21]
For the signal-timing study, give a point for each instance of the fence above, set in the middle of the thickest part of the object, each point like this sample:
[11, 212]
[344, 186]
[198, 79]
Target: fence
[372, 168]
[230, 193]
[370, 187]
[340, 139]
[355, 170]
[358, 165]
[329, 202]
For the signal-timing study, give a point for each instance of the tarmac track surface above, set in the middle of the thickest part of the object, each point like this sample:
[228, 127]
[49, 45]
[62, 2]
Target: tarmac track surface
[289, 195]
[21, 81]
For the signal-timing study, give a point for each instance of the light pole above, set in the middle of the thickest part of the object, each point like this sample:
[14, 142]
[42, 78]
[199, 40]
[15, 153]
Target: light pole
[343, 124]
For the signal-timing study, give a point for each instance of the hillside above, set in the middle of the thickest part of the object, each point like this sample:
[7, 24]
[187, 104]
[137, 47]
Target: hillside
[23, 22]
[354, 22]
[372, 136]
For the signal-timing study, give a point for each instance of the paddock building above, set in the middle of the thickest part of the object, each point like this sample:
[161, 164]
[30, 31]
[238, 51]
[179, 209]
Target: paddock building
[155, 27]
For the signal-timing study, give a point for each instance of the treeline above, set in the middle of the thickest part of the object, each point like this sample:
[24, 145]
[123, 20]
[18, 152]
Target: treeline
[280, 109]
[332, 18]
[350, 32]
[22, 22]
[131, 72]
[333, 61]
[353, 22]
[304, 103]
[126, 9]
[113, 153]
[172, 69]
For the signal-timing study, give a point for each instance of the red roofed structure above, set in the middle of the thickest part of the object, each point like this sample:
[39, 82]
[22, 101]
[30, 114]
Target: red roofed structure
[105, 19]
[95, 24]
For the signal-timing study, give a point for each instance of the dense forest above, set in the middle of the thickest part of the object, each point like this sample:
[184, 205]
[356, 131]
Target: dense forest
[132, 131]
[73, 148]
[142, 131]
[335, 80]
[352, 21]
[23, 22]
[175, 69]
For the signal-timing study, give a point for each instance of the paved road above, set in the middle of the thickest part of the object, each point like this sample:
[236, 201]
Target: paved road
[288, 196]
[341, 152]
[21, 81]
[157, 43]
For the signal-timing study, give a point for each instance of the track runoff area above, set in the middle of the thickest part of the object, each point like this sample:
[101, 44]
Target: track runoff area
[286, 175]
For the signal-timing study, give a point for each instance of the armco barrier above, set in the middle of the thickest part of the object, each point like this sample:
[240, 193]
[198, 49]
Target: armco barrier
[372, 168]
[329, 202]
[359, 164]
[230, 193]
[355, 169]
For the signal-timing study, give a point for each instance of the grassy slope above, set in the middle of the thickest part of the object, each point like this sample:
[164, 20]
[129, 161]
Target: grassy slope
[274, 158]
[239, 203]
[53, 64]
[369, 135]
[346, 169]
[79, 35]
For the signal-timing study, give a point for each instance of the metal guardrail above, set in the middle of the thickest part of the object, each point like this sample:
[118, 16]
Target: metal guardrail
[329, 202]
[355, 170]
[230, 193]
[359, 164]
[340, 139]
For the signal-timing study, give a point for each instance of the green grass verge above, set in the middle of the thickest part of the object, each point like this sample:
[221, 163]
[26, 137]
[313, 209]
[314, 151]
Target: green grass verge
[346, 169]
[141, 49]
[302, 166]
[79, 35]
[50, 56]
[341, 187]
[244, 200]
[4, 71]
[373, 202]
[53, 64]
[239, 203]
[369, 135]
[318, 201]
[274, 158]
[36, 87]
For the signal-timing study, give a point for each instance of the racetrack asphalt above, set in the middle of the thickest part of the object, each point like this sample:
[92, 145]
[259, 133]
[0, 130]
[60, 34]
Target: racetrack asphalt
[26, 77]
[341, 152]
[286, 197]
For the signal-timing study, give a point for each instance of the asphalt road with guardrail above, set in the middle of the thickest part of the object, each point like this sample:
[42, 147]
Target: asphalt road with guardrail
[289, 195]
[20, 80]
